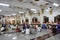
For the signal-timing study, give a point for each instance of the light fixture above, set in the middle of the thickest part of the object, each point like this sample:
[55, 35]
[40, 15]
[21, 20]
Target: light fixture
[55, 4]
[13, 14]
[2, 4]
[47, 10]
[21, 12]
[7, 15]
[34, 10]
[0, 10]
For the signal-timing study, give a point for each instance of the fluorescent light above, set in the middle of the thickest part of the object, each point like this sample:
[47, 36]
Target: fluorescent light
[0, 10]
[55, 4]
[13, 14]
[33, 9]
[21, 12]
[2, 4]
[47, 10]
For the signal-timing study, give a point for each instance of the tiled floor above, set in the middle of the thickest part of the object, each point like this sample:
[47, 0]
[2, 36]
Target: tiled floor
[56, 37]
[51, 36]
[20, 36]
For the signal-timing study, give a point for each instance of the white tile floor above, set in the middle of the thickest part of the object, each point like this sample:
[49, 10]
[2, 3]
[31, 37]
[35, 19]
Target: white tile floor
[19, 36]
[56, 37]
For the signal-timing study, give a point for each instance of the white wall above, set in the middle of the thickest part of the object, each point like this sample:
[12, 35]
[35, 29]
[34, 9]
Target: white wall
[40, 18]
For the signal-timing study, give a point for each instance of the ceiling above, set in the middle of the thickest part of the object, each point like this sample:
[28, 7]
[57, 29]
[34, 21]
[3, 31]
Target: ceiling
[23, 5]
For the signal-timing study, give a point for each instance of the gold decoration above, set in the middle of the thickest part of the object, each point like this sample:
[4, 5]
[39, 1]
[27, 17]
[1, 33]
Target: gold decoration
[17, 16]
[42, 10]
[51, 11]
[21, 14]
[41, 5]
[30, 14]
[38, 13]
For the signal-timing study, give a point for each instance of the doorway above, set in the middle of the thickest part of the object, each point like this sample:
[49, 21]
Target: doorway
[34, 20]
[45, 19]
[27, 21]
[57, 18]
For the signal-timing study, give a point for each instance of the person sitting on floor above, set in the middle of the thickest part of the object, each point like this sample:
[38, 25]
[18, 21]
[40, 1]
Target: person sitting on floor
[3, 28]
[27, 31]
[58, 26]
[54, 30]
[17, 29]
[39, 28]
[44, 26]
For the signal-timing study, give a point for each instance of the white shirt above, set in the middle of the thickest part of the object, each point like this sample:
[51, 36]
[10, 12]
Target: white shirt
[27, 31]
